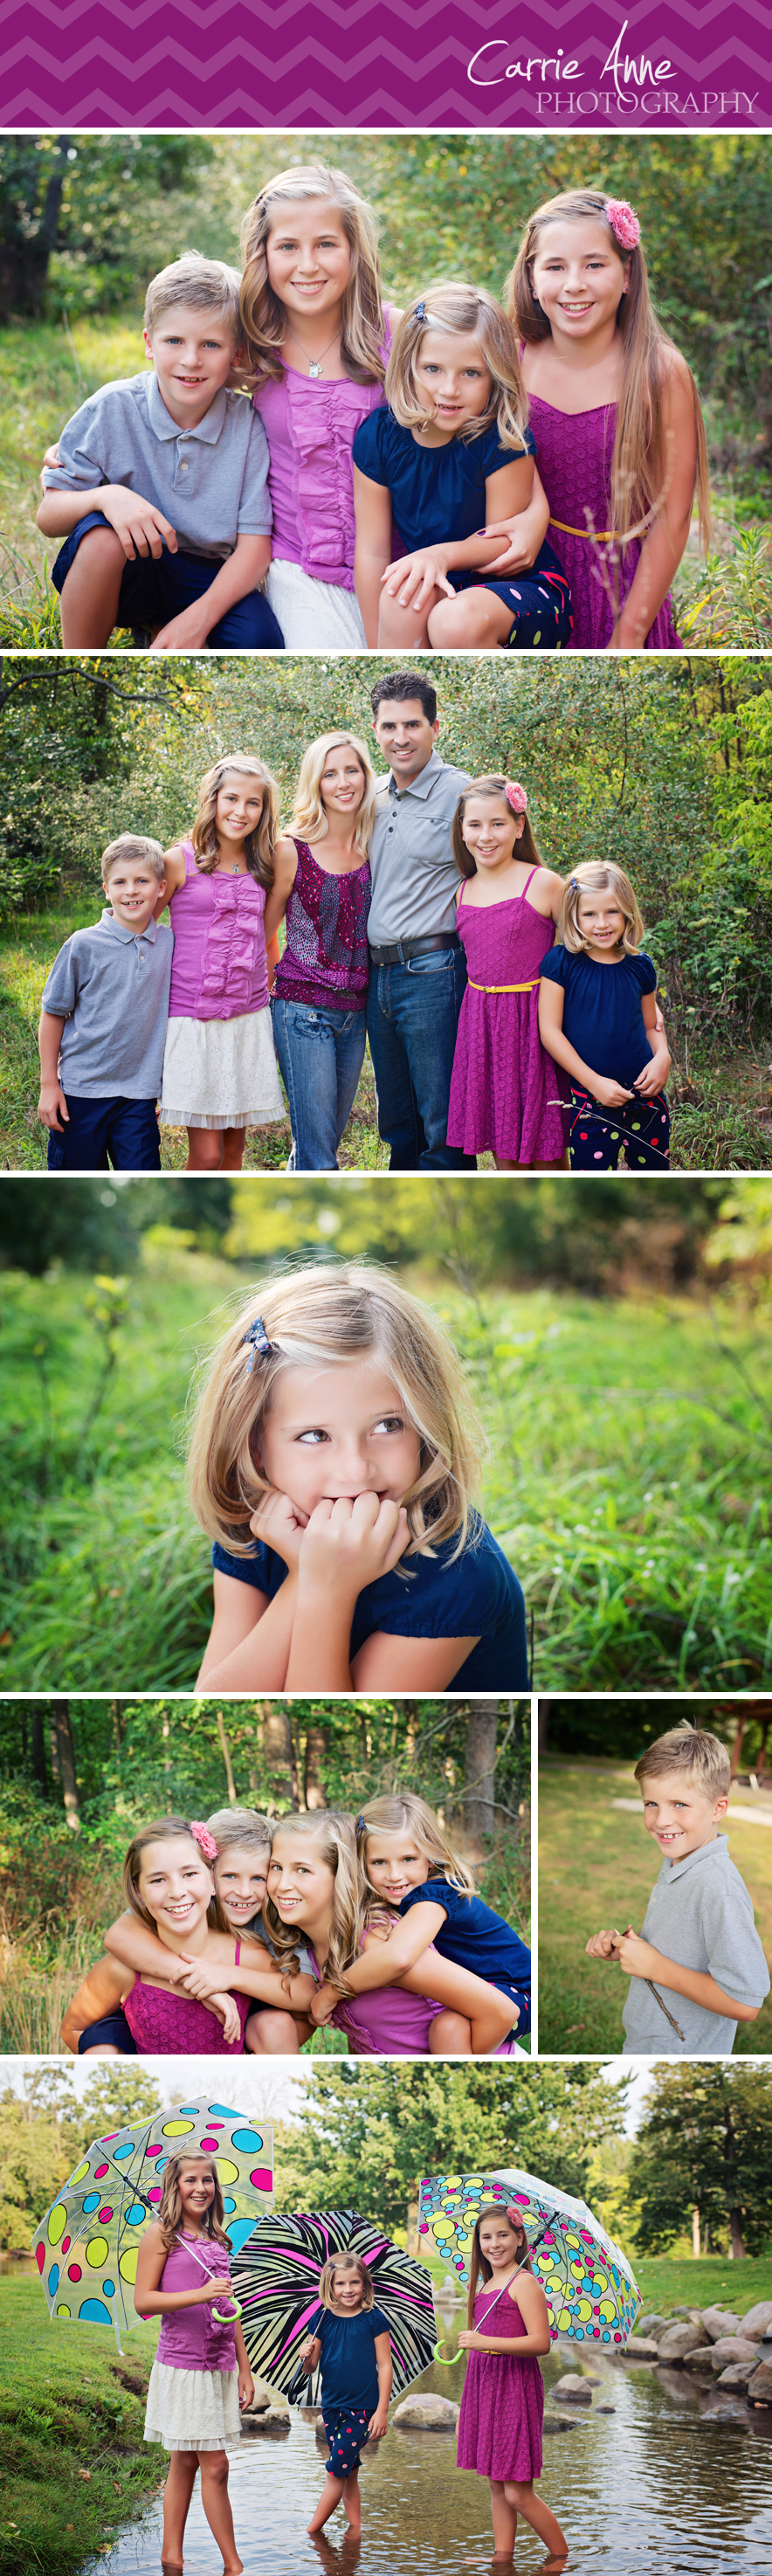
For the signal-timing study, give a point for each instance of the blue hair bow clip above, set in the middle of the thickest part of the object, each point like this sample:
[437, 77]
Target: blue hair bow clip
[258, 1338]
[419, 314]
[360, 1824]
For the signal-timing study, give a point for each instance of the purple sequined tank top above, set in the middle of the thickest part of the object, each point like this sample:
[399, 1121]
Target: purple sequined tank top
[574, 453]
[169, 2024]
[325, 961]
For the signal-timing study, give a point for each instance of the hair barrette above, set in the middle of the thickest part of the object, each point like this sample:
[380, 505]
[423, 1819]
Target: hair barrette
[573, 887]
[205, 1840]
[516, 796]
[258, 1338]
[418, 314]
[360, 1825]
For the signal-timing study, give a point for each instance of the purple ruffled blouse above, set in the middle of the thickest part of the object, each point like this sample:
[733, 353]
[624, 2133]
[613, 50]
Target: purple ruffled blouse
[191, 2338]
[219, 966]
[311, 425]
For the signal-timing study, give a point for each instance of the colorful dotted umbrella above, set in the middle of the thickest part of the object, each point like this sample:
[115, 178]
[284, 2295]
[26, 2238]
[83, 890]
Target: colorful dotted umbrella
[86, 2247]
[276, 2277]
[591, 2293]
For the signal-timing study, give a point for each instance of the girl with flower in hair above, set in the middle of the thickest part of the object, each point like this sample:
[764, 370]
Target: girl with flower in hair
[178, 2001]
[505, 1095]
[201, 2376]
[430, 1904]
[333, 1460]
[448, 460]
[219, 1075]
[599, 1021]
[502, 2405]
[616, 416]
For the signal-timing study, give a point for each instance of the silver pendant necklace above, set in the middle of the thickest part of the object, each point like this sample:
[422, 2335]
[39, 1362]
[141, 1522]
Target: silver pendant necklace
[315, 364]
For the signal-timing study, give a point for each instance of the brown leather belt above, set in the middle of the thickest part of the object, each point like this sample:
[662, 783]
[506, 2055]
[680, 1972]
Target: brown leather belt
[396, 956]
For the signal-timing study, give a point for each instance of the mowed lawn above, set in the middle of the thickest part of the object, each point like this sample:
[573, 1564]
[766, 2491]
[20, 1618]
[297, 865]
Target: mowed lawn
[73, 2464]
[597, 1867]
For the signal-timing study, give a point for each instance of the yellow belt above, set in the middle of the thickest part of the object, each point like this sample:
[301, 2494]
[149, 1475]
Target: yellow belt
[592, 536]
[504, 988]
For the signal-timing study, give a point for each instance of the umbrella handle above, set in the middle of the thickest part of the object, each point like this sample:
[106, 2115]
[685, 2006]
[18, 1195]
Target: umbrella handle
[232, 2318]
[447, 2359]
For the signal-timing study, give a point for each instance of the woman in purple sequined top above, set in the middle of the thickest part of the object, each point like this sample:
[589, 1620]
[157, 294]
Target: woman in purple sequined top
[320, 993]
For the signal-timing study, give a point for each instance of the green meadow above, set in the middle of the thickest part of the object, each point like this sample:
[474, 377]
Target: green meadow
[73, 2466]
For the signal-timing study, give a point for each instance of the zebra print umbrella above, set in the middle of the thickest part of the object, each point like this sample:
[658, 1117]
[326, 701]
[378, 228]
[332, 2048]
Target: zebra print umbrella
[276, 2278]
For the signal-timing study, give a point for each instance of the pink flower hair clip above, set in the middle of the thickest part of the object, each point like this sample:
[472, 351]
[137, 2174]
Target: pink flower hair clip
[205, 1840]
[516, 796]
[624, 222]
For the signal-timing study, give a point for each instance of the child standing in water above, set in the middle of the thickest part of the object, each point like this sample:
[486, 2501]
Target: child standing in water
[502, 2407]
[201, 2376]
[597, 1017]
[352, 2343]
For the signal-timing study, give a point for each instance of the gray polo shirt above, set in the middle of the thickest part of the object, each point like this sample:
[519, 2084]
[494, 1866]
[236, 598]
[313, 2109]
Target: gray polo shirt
[700, 1915]
[415, 879]
[210, 482]
[112, 987]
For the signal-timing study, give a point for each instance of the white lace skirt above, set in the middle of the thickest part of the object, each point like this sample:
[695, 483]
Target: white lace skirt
[221, 1073]
[192, 2410]
[314, 616]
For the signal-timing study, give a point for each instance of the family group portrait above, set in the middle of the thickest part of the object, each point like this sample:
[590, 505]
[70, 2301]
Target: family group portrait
[229, 437]
[418, 918]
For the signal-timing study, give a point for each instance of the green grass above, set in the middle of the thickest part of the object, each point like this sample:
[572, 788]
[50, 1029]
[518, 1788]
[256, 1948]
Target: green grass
[629, 1483]
[66, 2409]
[666, 2282]
[597, 1866]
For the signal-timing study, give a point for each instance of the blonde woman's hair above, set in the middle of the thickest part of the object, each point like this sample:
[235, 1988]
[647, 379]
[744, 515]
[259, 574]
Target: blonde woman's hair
[696, 1758]
[334, 1837]
[308, 817]
[260, 844]
[171, 2213]
[242, 1827]
[207, 285]
[595, 876]
[406, 1814]
[133, 845]
[345, 2263]
[454, 307]
[640, 467]
[168, 1830]
[525, 845]
[315, 1318]
[479, 2266]
[264, 318]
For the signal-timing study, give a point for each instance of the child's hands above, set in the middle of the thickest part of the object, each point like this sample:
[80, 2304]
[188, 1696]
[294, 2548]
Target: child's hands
[307, 2351]
[196, 1980]
[612, 1095]
[246, 2387]
[138, 523]
[415, 578]
[51, 459]
[224, 2010]
[523, 535]
[211, 2292]
[378, 2424]
[52, 1107]
[654, 1073]
[472, 2342]
[604, 1945]
[350, 1543]
[323, 2005]
[280, 1524]
[187, 632]
[636, 1957]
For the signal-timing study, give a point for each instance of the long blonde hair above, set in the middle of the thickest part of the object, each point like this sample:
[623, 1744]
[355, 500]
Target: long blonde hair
[594, 876]
[406, 1814]
[333, 1833]
[454, 306]
[478, 2262]
[639, 465]
[260, 844]
[168, 1830]
[171, 2213]
[308, 816]
[264, 316]
[316, 1317]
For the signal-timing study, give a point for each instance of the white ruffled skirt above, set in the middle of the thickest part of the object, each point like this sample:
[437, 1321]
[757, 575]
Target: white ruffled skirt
[192, 2410]
[221, 1073]
[314, 616]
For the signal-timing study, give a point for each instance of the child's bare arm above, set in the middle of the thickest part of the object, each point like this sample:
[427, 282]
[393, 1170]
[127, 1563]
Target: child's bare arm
[551, 1033]
[604, 1945]
[414, 579]
[372, 551]
[240, 573]
[382, 1962]
[101, 1992]
[137, 522]
[310, 2352]
[134, 1945]
[249, 1640]
[285, 868]
[664, 543]
[52, 1106]
[150, 2301]
[655, 1074]
[637, 1958]
[524, 534]
[379, 2422]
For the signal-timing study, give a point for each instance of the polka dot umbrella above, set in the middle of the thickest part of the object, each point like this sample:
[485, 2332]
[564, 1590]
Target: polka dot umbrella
[87, 2245]
[591, 2293]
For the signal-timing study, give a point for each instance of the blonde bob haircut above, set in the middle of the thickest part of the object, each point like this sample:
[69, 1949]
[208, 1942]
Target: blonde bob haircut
[598, 876]
[479, 2266]
[640, 466]
[328, 1316]
[345, 2263]
[171, 2212]
[525, 845]
[691, 1755]
[332, 1835]
[170, 1829]
[308, 816]
[260, 844]
[404, 1814]
[456, 307]
[264, 317]
[240, 1828]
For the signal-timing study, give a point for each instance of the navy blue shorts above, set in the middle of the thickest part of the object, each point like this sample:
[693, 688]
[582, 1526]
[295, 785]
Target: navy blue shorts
[112, 2032]
[521, 1996]
[346, 2430]
[155, 590]
[539, 600]
[597, 1135]
[105, 1135]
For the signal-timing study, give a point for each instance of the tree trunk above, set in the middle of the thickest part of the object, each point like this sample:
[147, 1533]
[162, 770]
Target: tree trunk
[278, 1750]
[53, 1746]
[38, 1746]
[734, 2211]
[226, 1755]
[696, 2233]
[543, 1725]
[479, 1768]
[316, 1753]
[413, 2238]
[165, 1736]
[67, 1763]
[24, 263]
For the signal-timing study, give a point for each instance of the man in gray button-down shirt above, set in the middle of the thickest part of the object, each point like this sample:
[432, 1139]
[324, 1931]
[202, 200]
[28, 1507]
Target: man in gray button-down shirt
[417, 965]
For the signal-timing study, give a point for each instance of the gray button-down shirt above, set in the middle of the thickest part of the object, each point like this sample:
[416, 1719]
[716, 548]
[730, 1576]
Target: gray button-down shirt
[414, 874]
[111, 986]
[700, 1915]
[210, 482]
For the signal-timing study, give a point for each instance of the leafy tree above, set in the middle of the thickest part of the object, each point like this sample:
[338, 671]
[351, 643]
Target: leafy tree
[83, 217]
[33, 2163]
[369, 2132]
[115, 2097]
[705, 2142]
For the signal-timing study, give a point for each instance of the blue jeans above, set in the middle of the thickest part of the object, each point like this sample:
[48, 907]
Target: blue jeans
[156, 589]
[320, 1056]
[412, 1022]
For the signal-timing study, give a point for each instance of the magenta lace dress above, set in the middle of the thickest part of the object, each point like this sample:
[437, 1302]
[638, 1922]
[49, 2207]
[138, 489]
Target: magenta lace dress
[505, 1092]
[167, 2024]
[502, 2407]
[574, 452]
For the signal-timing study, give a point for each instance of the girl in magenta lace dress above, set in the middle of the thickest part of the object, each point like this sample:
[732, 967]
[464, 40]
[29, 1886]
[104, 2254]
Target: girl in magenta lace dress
[320, 992]
[220, 1074]
[505, 1095]
[616, 416]
[319, 339]
[502, 2407]
[201, 2376]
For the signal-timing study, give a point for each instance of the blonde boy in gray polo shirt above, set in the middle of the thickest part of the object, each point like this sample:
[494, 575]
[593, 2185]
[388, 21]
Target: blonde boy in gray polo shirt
[699, 1946]
[103, 1023]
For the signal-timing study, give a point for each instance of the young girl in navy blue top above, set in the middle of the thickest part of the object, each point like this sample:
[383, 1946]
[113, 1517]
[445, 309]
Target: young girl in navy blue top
[351, 2340]
[334, 1454]
[406, 1859]
[446, 461]
[598, 1019]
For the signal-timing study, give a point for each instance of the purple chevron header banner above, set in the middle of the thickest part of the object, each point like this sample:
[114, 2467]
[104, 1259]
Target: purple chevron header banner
[332, 63]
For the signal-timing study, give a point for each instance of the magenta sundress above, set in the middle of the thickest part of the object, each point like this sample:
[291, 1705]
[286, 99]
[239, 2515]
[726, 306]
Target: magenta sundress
[573, 456]
[168, 2024]
[506, 1093]
[502, 2407]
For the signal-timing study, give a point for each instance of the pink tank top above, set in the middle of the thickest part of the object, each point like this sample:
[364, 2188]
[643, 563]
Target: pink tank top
[219, 966]
[310, 426]
[170, 2024]
[191, 2338]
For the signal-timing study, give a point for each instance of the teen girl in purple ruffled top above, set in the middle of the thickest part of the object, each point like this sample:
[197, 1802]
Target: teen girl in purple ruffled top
[502, 2407]
[219, 1075]
[201, 2376]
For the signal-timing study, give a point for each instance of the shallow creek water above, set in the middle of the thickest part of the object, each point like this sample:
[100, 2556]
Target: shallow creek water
[662, 2484]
